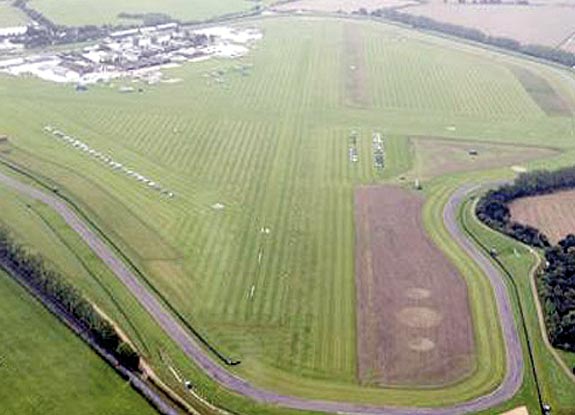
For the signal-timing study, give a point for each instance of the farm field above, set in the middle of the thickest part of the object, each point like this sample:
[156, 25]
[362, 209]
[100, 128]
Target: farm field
[256, 248]
[546, 23]
[84, 12]
[10, 16]
[45, 368]
[552, 214]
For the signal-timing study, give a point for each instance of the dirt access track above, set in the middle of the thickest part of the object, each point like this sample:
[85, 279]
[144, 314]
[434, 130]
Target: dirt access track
[220, 375]
[413, 316]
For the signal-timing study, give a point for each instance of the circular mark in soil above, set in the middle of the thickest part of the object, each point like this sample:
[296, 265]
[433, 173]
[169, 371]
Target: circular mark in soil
[419, 317]
[417, 293]
[421, 344]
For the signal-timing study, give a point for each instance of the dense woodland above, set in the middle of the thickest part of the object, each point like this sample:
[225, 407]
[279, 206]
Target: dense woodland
[53, 287]
[421, 22]
[556, 282]
[557, 289]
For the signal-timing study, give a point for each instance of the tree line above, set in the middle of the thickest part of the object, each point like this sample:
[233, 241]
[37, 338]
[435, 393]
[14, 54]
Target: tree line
[556, 281]
[556, 286]
[52, 286]
[421, 22]
[47, 32]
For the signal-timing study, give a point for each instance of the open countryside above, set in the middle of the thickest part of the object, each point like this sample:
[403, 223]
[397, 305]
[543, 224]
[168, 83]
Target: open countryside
[289, 228]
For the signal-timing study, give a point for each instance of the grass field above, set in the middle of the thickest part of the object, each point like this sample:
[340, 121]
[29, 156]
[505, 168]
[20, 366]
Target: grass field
[272, 148]
[548, 99]
[82, 12]
[10, 16]
[44, 368]
[434, 156]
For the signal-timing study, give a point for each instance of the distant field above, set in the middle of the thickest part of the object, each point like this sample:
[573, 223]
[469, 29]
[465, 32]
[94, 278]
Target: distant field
[44, 368]
[341, 5]
[81, 12]
[10, 16]
[545, 24]
[257, 247]
[552, 214]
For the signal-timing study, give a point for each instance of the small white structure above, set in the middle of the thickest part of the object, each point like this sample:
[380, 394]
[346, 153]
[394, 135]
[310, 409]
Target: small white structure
[13, 31]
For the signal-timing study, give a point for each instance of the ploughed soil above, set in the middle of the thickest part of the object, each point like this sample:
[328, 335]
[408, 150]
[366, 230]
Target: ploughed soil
[413, 317]
[552, 214]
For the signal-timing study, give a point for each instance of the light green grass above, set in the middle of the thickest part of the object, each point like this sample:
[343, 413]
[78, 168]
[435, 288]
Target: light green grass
[44, 368]
[82, 12]
[10, 16]
[272, 147]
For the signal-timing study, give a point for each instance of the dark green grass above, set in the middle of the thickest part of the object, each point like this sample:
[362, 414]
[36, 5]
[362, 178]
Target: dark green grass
[45, 368]
[541, 91]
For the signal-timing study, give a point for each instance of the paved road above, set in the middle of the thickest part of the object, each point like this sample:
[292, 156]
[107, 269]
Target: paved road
[218, 373]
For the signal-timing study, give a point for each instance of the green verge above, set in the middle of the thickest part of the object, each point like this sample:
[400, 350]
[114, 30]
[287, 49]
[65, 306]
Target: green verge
[45, 368]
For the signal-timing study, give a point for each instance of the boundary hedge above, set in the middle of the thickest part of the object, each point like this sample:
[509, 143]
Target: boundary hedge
[52, 286]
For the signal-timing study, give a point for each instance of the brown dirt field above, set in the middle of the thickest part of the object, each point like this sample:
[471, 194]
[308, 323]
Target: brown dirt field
[413, 318]
[552, 214]
[547, 24]
[346, 6]
[544, 95]
[436, 156]
[355, 71]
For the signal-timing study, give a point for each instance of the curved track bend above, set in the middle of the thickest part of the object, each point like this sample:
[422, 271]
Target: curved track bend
[190, 346]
